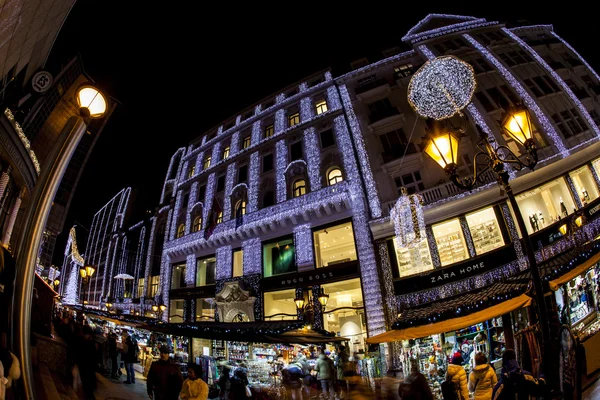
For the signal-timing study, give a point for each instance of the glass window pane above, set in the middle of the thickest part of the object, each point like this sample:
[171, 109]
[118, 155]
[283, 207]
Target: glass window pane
[450, 242]
[178, 275]
[176, 311]
[280, 305]
[413, 260]
[584, 184]
[334, 245]
[205, 271]
[279, 257]
[140, 288]
[485, 230]
[238, 263]
[545, 204]
[205, 310]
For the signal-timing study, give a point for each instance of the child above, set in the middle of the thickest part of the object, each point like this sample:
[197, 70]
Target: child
[193, 387]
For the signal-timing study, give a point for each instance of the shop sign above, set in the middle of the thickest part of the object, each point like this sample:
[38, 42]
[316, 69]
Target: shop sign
[193, 293]
[314, 277]
[592, 210]
[457, 272]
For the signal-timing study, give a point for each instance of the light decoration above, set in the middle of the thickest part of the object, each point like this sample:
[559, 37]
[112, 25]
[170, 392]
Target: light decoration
[514, 235]
[571, 184]
[176, 219]
[165, 270]
[24, 140]
[199, 162]
[467, 234]
[190, 270]
[568, 46]
[280, 168]
[313, 158]
[192, 202]
[174, 158]
[388, 280]
[303, 87]
[306, 110]
[252, 256]
[441, 87]
[565, 88]
[345, 145]
[4, 178]
[471, 23]
[433, 249]
[256, 132]
[408, 218]
[231, 169]
[374, 66]
[280, 122]
[74, 252]
[139, 260]
[71, 295]
[224, 265]
[294, 163]
[529, 101]
[149, 255]
[216, 154]
[208, 199]
[303, 245]
[254, 181]
[234, 146]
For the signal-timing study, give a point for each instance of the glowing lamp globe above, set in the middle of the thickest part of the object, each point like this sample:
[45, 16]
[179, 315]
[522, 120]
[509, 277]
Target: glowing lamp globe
[443, 149]
[155, 308]
[91, 102]
[518, 126]
[299, 302]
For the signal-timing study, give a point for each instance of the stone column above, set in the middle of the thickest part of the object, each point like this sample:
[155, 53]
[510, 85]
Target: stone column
[280, 166]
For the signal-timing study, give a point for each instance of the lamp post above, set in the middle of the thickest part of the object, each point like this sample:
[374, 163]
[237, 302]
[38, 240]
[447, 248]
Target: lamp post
[159, 310]
[56, 282]
[443, 149]
[307, 306]
[92, 105]
[108, 306]
[86, 273]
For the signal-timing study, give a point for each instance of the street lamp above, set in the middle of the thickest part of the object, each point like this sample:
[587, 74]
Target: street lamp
[158, 310]
[56, 283]
[443, 148]
[86, 273]
[307, 306]
[108, 306]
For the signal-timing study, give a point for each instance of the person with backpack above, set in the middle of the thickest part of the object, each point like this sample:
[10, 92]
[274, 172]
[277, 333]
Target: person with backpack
[326, 374]
[130, 351]
[482, 379]
[455, 385]
[516, 383]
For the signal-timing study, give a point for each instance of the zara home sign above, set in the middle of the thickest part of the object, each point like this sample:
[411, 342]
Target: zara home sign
[467, 271]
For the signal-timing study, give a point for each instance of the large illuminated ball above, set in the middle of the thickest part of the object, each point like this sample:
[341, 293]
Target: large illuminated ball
[441, 87]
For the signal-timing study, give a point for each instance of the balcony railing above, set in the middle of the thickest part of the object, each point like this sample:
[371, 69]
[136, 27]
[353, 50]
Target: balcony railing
[378, 115]
[365, 87]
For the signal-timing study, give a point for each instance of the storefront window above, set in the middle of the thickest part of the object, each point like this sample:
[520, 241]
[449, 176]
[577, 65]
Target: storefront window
[140, 288]
[153, 285]
[205, 271]
[279, 257]
[238, 263]
[176, 310]
[280, 305]
[584, 184]
[485, 230]
[178, 280]
[205, 310]
[334, 245]
[347, 315]
[545, 204]
[577, 300]
[413, 260]
[450, 242]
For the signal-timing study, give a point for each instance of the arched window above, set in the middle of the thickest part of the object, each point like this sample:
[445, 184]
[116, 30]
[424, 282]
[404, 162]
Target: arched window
[240, 208]
[334, 176]
[220, 217]
[180, 230]
[268, 199]
[197, 223]
[299, 188]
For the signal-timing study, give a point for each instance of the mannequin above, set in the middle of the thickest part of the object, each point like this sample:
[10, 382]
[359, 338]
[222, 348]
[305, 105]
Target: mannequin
[540, 218]
[563, 209]
[534, 222]
[586, 196]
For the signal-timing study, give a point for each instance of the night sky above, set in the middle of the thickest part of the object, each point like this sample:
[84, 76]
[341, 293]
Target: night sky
[180, 71]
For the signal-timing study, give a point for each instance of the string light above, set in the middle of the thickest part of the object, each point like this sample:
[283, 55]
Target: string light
[231, 169]
[413, 35]
[224, 263]
[252, 253]
[149, 256]
[138, 258]
[303, 245]
[208, 198]
[433, 249]
[313, 157]
[254, 182]
[388, 280]
[36, 164]
[280, 168]
[256, 132]
[408, 218]
[467, 235]
[567, 45]
[306, 110]
[514, 234]
[576, 197]
[174, 157]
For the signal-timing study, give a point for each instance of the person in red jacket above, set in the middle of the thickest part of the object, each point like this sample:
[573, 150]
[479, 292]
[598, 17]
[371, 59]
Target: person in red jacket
[164, 380]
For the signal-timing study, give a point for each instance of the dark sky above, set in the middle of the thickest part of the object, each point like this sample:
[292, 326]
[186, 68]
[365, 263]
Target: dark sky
[179, 70]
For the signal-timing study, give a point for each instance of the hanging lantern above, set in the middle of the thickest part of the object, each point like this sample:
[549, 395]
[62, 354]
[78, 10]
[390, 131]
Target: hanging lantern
[409, 222]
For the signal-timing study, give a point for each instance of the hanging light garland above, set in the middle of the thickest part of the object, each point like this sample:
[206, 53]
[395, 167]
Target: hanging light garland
[409, 221]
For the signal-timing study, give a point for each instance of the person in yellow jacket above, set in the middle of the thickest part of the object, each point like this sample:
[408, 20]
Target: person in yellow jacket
[483, 378]
[457, 374]
[193, 387]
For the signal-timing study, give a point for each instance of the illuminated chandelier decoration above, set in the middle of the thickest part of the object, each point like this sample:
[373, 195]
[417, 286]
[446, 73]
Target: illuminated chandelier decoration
[409, 222]
[441, 87]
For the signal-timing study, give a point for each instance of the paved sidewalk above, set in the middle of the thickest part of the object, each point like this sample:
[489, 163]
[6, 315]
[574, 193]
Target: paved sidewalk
[112, 389]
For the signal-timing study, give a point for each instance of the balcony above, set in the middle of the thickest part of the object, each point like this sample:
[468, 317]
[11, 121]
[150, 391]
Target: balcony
[378, 115]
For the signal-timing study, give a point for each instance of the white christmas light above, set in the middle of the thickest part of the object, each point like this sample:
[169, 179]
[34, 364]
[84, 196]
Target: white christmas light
[234, 146]
[467, 235]
[71, 295]
[303, 244]
[408, 218]
[72, 248]
[280, 122]
[313, 158]
[224, 265]
[433, 249]
[139, 254]
[280, 168]
[252, 254]
[388, 280]
[176, 220]
[471, 23]
[593, 71]
[231, 170]
[256, 132]
[36, 164]
[576, 197]
[180, 151]
[254, 182]
[514, 233]
[208, 199]
[306, 110]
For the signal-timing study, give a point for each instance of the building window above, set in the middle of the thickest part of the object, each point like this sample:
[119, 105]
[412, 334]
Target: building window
[545, 84]
[240, 208]
[321, 106]
[569, 123]
[243, 174]
[334, 245]
[205, 310]
[140, 288]
[394, 144]
[327, 139]
[485, 102]
[178, 276]
[299, 188]
[225, 152]
[411, 181]
[296, 151]
[201, 193]
[191, 171]
[220, 183]
[153, 289]
[220, 217]
[584, 184]
[268, 162]
[205, 271]
[334, 176]
[180, 231]
[294, 119]
[413, 260]
[197, 225]
[176, 311]
[485, 230]
[269, 131]
[184, 201]
[207, 162]
[279, 257]
[280, 306]
[238, 263]
[545, 204]
[450, 241]
[246, 142]
[268, 199]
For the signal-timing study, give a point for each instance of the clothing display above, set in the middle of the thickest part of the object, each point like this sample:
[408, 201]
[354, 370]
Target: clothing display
[534, 222]
[563, 209]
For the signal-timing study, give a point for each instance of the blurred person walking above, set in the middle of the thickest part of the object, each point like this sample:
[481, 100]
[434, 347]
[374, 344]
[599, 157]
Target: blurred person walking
[482, 379]
[193, 387]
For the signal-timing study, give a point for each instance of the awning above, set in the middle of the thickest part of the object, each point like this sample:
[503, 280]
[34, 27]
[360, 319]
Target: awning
[453, 324]
[558, 282]
[121, 319]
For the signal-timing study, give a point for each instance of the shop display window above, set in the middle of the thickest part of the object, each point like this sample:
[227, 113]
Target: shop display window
[279, 257]
[545, 204]
[178, 275]
[485, 230]
[413, 260]
[334, 245]
[280, 305]
[205, 310]
[176, 311]
[450, 241]
[238, 263]
[577, 300]
[345, 314]
[585, 186]
[205, 271]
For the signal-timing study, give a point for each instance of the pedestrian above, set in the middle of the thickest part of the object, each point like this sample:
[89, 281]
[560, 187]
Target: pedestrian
[86, 361]
[516, 383]
[292, 376]
[415, 386]
[326, 374]
[164, 378]
[112, 354]
[482, 379]
[457, 375]
[239, 384]
[224, 380]
[193, 387]
[129, 356]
